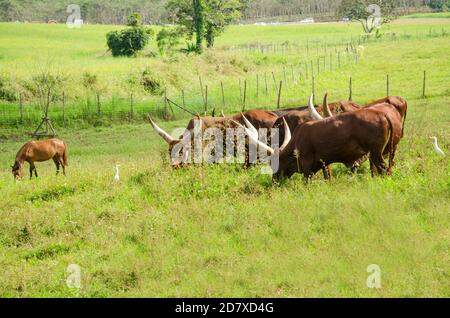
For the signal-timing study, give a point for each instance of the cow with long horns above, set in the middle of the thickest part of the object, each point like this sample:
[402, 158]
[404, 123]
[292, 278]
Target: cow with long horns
[344, 138]
[256, 118]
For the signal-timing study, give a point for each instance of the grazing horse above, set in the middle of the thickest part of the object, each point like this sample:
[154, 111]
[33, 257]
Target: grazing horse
[39, 151]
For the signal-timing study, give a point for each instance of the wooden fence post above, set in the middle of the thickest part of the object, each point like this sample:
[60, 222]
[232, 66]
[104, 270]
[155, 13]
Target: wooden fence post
[240, 92]
[424, 82]
[245, 95]
[279, 95]
[257, 85]
[165, 104]
[99, 105]
[201, 89]
[131, 105]
[223, 95]
[20, 108]
[274, 81]
[387, 85]
[351, 90]
[206, 99]
[64, 108]
[265, 80]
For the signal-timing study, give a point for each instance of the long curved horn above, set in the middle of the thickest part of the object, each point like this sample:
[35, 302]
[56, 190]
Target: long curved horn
[250, 126]
[326, 108]
[287, 135]
[168, 138]
[255, 140]
[222, 113]
[312, 110]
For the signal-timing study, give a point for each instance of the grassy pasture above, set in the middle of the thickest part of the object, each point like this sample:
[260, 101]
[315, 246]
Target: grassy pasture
[222, 230]
[25, 48]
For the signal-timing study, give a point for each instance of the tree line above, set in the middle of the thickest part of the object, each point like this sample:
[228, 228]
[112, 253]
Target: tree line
[161, 12]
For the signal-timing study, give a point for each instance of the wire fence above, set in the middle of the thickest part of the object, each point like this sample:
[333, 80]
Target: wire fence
[278, 87]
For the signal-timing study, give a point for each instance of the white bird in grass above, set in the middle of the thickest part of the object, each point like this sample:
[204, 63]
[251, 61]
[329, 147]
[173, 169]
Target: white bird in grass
[436, 147]
[117, 177]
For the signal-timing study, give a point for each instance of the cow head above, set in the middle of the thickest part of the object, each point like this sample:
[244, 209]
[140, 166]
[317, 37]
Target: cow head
[277, 153]
[177, 152]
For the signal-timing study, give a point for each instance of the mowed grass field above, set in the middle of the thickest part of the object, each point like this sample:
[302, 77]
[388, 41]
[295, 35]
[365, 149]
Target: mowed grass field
[225, 231]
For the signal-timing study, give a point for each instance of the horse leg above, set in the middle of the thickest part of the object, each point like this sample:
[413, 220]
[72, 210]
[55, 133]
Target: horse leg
[57, 164]
[63, 167]
[31, 170]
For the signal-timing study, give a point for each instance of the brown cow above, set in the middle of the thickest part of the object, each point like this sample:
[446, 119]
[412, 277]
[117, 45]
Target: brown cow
[344, 138]
[258, 118]
[297, 117]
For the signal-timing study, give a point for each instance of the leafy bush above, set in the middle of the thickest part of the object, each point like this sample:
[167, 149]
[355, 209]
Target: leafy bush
[167, 40]
[129, 41]
[151, 83]
[6, 91]
[439, 5]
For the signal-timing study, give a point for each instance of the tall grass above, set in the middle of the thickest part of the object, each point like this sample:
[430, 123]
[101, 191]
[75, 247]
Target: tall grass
[226, 231]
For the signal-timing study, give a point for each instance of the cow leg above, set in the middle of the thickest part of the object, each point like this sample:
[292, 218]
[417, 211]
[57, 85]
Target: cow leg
[392, 161]
[378, 162]
[307, 166]
[326, 172]
[57, 164]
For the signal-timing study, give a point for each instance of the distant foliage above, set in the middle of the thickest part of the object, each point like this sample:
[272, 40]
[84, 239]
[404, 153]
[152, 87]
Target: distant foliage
[151, 83]
[129, 41]
[6, 90]
[439, 5]
[358, 10]
[206, 19]
[168, 40]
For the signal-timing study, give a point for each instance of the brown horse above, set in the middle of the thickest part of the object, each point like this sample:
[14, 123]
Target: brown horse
[39, 151]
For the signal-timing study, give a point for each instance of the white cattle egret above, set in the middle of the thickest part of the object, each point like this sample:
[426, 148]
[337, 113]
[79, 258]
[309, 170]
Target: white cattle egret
[117, 177]
[436, 147]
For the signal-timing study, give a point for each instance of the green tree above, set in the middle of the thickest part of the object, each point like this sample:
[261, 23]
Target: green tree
[219, 14]
[439, 5]
[167, 40]
[206, 19]
[189, 15]
[129, 41]
[370, 13]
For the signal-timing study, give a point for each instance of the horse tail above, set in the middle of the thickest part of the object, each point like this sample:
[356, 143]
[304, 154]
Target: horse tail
[65, 155]
[404, 118]
[391, 143]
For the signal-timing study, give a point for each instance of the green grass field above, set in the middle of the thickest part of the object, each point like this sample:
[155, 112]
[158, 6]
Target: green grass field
[223, 231]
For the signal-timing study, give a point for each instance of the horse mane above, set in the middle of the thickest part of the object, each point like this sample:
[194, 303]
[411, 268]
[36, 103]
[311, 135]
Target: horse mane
[21, 151]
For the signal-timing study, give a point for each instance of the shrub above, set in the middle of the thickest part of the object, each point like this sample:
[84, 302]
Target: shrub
[129, 41]
[151, 83]
[167, 40]
[6, 90]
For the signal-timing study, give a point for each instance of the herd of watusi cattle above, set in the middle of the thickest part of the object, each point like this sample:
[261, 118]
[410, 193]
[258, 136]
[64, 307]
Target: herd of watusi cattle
[349, 134]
